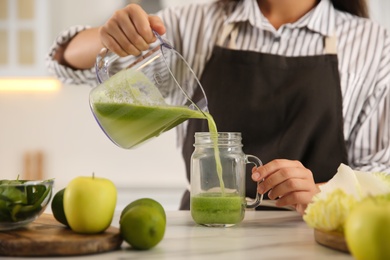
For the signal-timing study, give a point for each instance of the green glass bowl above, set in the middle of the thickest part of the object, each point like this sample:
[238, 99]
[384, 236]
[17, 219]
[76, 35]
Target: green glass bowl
[23, 201]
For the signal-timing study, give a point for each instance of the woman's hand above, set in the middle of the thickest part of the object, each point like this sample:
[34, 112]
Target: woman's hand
[129, 31]
[288, 182]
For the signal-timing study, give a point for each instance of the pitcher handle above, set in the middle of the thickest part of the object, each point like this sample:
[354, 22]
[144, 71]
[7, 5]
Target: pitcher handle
[103, 62]
[106, 57]
[259, 197]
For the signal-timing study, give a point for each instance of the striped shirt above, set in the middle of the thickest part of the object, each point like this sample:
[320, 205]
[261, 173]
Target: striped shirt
[363, 49]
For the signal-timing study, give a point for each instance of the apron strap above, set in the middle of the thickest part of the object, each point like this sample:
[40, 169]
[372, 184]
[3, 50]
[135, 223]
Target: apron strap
[331, 44]
[228, 30]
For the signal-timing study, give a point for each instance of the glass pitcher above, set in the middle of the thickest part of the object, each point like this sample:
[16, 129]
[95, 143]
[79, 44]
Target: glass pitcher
[217, 196]
[152, 95]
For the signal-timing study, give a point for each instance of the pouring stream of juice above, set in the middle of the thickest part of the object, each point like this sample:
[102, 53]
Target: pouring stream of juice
[130, 110]
[214, 136]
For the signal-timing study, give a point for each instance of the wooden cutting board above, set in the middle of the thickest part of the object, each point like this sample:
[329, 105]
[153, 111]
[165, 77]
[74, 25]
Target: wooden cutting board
[332, 240]
[47, 237]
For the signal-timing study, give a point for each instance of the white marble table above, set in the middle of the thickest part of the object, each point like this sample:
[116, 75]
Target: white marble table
[262, 235]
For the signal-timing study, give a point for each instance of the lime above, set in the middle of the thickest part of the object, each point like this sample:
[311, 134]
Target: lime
[146, 202]
[57, 207]
[142, 226]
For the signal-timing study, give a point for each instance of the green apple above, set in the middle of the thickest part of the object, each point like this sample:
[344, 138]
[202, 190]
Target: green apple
[89, 204]
[367, 229]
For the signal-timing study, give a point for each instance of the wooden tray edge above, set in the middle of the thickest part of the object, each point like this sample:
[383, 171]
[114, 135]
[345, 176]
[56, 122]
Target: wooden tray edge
[111, 235]
[333, 240]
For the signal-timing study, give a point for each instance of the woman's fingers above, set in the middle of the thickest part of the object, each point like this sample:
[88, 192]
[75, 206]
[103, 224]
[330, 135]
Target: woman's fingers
[129, 31]
[295, 198]
[157, 24]
[286, 181]
[113, 38]
[138, 29]
[288, 186]
[264, 171]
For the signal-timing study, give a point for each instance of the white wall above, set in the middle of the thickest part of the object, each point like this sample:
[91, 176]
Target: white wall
[379, 11]
[72, 12]
[62, 126]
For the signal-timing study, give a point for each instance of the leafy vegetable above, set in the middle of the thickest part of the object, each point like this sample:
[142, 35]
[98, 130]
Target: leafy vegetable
[330, 208]
[329, 214]
[21, 199]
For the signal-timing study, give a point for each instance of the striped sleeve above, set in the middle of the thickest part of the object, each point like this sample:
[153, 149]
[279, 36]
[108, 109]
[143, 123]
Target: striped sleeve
[370, 149]
[65, 74]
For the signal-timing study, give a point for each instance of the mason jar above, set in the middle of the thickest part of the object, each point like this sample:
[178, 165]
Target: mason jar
[218, 170]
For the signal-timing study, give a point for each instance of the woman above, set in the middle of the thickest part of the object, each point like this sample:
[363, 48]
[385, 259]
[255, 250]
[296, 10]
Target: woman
[305, 81]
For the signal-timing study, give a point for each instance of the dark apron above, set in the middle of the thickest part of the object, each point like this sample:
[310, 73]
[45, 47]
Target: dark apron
[285, 108]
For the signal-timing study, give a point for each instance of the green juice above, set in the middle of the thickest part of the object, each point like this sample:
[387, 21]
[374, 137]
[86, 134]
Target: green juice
[217, 208]
[128, 125]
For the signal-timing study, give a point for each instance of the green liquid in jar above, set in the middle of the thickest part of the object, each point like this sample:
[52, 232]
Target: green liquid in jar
[217, 208]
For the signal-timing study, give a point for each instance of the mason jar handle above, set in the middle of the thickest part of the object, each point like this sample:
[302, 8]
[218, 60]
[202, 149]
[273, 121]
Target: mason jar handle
[259, 197]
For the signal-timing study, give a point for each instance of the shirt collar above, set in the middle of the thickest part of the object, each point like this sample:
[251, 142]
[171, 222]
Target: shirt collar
[323, 18]
[320, 19]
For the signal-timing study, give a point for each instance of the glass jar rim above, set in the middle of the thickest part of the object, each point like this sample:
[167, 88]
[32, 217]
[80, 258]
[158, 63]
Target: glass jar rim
[219, 134]
[223, 138]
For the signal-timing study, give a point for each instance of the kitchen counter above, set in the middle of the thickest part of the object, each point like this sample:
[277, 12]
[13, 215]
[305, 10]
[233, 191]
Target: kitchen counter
[262, 235]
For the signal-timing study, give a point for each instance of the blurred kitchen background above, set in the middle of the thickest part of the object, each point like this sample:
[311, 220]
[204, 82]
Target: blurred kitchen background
[47, 129]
